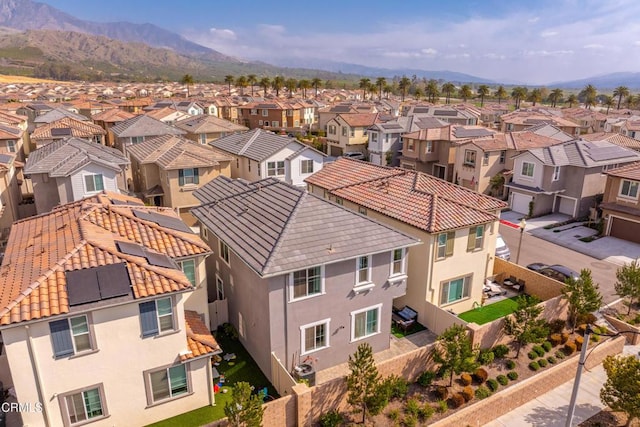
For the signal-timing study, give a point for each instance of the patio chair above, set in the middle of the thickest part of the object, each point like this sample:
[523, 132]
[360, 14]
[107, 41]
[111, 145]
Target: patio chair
[404, 318]
[493, 290]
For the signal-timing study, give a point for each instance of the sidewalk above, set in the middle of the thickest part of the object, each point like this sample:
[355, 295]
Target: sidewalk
[550, 409]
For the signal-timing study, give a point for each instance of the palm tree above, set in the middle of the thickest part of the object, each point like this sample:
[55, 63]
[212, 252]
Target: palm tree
[589, 94]
[448, 88]
[501, 94]
[465, 92]
[291, 86]
[419, 94]
[277, 84]
[432, 91]
[242, 82]
[620, 92]
[380, 82]
[572, 99]
[483, 90]
[631, 100]
[304, 85]
[373, 89]
[518, 94]
[316, 83]
[228, 79]
[187, 80]
[265, 83]
[387, 90]
[555, 96]
[252, 80]
[535, 96]
[609, 102]
[364, 85]
[403, 85]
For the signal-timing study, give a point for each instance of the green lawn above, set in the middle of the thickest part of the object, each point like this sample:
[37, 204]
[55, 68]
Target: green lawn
[399, 333]
[490, 312]
[242, 368]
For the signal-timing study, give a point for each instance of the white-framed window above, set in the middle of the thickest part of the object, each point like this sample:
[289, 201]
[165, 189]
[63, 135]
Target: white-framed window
[260, 122]
[410, 145]
[352, 132]
[275, 168]
[11, 146]
[365, 322]
[189, 176]
[428, 147]
[314, 336]
[445, 244]
[503, 156]
[485, 158]
[455, 290]
[83, 406]
[331, 129]
[556, 173]
[374, 136]
[156, 317]
[275, 123]
[204, 232]
[265, 112]
[188, 267]
[306, 166]
[167, 383]
[93, 183]
[363, 269]
[224, 251]
[71, 336]
[476, 238]
[306, 283]
[398, 264]
[219, 288]
[203, 138]
[470, 158]
[527, 169]
[344, 131]
[606, 168]
[629, 189]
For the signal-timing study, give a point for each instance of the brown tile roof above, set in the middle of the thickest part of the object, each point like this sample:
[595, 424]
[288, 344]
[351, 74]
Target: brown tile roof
[112, 115]
[78, 128]
[525, 140]
[10, 132]
[615, 138]
[628, 171]
[199, 340]
[11, 119]
[415, 198]
[496, 142]
[360, 119]
[81, 235]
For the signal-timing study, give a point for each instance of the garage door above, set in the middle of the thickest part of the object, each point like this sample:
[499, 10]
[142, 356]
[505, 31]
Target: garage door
[566, 206]
[520, 203]
[627, 230]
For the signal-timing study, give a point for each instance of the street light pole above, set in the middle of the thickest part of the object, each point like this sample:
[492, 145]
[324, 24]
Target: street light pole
[576, 382]
[522, 225]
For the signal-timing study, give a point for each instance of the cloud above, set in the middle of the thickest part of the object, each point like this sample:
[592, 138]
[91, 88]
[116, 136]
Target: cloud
[593, 46]
[223, 33]
[548, 34]
[429, 51]
[547, 52]
[492, 55]
[272, 29]
[533, 20]
[636, 43]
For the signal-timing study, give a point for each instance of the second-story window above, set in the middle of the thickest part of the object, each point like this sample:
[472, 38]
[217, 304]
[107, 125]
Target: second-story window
[556, 173]
[156, 317]
[470, 158]
[428, 147]
[306, 166]
[476, 238]
[397, 262]
[344, 131]
[70, 336]
[188, 267]
[410, 144]
[374, 136]
[445, 244]
[307, 282]
[224, 251]
[503, 156]
[629, 189]
[11, 146]
[485, 159]
[275, 168]
[188, 177]
[265, 113]
[93, 183]
[527, 169]
[363, 273]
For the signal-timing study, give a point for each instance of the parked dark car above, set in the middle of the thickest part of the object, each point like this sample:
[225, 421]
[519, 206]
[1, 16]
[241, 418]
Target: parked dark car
[556, 271]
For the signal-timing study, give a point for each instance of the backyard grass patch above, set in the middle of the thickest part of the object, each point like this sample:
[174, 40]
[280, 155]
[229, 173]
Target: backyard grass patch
[490, 312]
[399, 333]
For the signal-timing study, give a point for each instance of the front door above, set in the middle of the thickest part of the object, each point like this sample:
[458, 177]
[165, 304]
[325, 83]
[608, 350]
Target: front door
[439, 171]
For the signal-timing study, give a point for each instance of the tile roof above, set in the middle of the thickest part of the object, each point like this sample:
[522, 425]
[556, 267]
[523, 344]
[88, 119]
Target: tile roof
[629, 171]
[200, 342]
[176, 152]
[78, 129]
[277, 228]
[144, 126]
[360, 119]
[205, 123]
[415, 198]
[57, 114]
[64, 156]
[256, 144]
[613, 137]
[585, 154]
[80, 235]
[112, 115]
[10, 132]
[11, 119]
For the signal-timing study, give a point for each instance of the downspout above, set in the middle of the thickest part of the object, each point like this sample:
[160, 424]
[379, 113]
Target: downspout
[36, 373]
[286, 322]
[212, 395]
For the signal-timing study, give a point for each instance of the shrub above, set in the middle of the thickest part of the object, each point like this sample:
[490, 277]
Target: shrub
[581, 328]
[555, 339]
[426, 411]
[442, 392]
[557, 325]
[467, 393]
[500, 351]
[480, 375]
[511, 364]
[543, 363]
[442, 407]
[547, 346]
[426, 378]
[412, 407]
[410, 420]
[492, 384]
[228, 330]
[539, 350]
[482, 392]
[534, 366]
[331, 419]
[532, 355]
[486, 357]
[457, 400]
[512, 375]
[564, 337]
[586, 318]
[595, 338]
[551, 360]
[560, 354]
[394, 414]
[465, 378]
[396, 387]
[579, 341]
[502, 379]
[570, 348]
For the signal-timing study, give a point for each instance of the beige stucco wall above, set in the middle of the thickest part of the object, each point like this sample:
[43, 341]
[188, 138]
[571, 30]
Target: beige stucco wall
[177, 196]
[45, 192]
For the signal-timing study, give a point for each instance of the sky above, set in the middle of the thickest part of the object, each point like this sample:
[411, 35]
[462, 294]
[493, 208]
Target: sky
[533, 42]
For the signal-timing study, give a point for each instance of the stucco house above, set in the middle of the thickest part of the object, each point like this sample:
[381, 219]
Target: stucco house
[207, 128]
[64, 128]
[348, 132]
[620, 204]
[306, 279]
[136, 129]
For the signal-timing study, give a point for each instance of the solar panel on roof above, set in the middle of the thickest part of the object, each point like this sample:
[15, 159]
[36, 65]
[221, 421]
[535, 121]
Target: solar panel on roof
[60, 131]
[126, 202]
[113, 280]
[130, 249]
[421, 110]
[448, 113]
[460, 132]
[391, 126]
[599, 154]
[163, 220]
[160, 260]
[5, 158]
[82, 286]
[184, 103]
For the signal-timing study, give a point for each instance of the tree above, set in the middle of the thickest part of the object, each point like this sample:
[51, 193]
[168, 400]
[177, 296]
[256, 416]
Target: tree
[609, 102]
[454, 353]
[572, 99]
[589, 94]
[465, 92]
[419, 94]
[364, 85]
[380, 83]
[291, 84]
[244, 409]
[187, 80]
[304, 85]
[621, 391]
[620, 92]
[242, 83]
[252, 80]
[518, 94]
[277, 84]
[535, 96]
[228, 79]
[555, 96]
[630, 101]
[448, 89]
[628, 283]
[316, 84]
[265, 83]
[501, 94]
[387, 90]
[525, 324]
[483, 90]
[403, 85]
[432, 91]
[583, 295]
[363, 381]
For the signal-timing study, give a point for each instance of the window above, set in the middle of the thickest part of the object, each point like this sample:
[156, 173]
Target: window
[476, 238]
[374, 136]
[503, 156]
[344, 131]
[527, 169]
[397, 262]
[168, 383]
[556, 173]
[203, 138]
[331, 129]
[266, 123]
[470, 158]
[455, 290]
[339, 201]
[204, 232]
[363, 273]
[188, 177]
[188, 267]
[81, 406]
[428, 148]
[70, 336]
[365, 323]
[265, 112]
[314, 336]
[137, 139]
[275, 168]
[275, 124]
[219, 288]
[307, 282]
[11, 146]
[254, 111]
[156, 317]
[224, 252]
[629, 189]
[485, 159]
[445, 244]
[290, 113]
[260, 123]
[352, 132]
[609, 167]
[363, 211]
[93, 183]
[306, 166]
[410, 145]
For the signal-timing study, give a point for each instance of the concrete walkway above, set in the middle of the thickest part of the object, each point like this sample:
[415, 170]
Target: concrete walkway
[550, 409]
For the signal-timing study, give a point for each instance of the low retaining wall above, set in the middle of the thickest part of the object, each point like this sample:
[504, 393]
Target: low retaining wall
[633, 339]
[536, 284]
